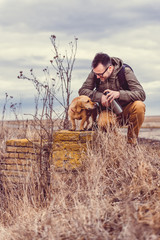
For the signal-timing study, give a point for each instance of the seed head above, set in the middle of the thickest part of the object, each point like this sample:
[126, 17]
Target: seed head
[53, 36]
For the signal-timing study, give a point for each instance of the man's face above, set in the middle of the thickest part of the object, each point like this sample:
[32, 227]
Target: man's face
[103, 72]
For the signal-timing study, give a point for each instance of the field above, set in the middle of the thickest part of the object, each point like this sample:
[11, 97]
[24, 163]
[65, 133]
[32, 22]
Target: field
[115, 195]
[152, 122]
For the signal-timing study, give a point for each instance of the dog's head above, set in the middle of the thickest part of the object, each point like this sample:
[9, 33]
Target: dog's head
[84, 102]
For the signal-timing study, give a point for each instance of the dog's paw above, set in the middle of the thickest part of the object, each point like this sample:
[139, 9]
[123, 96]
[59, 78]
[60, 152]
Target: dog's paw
[71, 129]
[94, 127]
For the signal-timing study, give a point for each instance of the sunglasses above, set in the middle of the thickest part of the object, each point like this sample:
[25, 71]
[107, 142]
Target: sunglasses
[101, 74]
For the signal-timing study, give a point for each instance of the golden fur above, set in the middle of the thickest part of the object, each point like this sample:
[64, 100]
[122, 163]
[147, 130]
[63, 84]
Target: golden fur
[82, 108]
[106, 120]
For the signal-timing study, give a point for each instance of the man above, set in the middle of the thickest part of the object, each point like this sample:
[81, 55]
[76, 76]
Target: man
[104, 78]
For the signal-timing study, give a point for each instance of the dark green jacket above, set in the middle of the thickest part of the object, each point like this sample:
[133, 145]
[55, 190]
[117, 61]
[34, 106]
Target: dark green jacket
[134, 93]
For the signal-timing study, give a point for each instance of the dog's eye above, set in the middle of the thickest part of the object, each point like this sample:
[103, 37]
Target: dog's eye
[87, 101]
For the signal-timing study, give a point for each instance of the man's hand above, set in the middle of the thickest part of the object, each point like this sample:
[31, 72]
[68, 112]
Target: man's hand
[107, 99]
[104, 101]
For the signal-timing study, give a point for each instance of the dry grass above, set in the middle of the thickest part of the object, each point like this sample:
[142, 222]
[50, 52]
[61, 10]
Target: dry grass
[115, 195]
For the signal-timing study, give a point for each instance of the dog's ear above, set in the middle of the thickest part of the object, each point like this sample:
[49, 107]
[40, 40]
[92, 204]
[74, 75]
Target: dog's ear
[79, 108]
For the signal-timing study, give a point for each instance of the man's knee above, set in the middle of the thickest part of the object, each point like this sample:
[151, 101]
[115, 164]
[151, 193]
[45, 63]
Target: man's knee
[139, 106]
[134, 112]
[137, 113]
[136, 108]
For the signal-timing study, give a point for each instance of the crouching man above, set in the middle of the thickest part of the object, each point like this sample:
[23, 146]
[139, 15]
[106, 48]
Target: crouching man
[111, 76]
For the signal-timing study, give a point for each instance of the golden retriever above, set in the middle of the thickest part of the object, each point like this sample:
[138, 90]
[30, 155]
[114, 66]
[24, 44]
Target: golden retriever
[82, 108]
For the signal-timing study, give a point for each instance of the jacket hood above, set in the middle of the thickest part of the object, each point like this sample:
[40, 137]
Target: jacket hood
[117, 63]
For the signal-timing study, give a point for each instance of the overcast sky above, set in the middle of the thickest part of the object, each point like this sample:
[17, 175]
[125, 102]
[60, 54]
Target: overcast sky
[126, 29]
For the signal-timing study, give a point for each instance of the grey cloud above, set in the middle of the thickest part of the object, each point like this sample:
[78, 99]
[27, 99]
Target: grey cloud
[20, 62]
[88, 18]
[148, 12]
[82, 64]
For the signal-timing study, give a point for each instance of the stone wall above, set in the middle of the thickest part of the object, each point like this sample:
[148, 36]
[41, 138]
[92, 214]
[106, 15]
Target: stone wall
[20, 158]
[24, 157]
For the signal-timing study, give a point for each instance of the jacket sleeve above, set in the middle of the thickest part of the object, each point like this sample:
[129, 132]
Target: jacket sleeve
[88, 89]
[135, 92]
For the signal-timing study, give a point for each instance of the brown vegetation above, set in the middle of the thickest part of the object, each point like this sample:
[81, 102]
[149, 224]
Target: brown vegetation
[114, 195]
